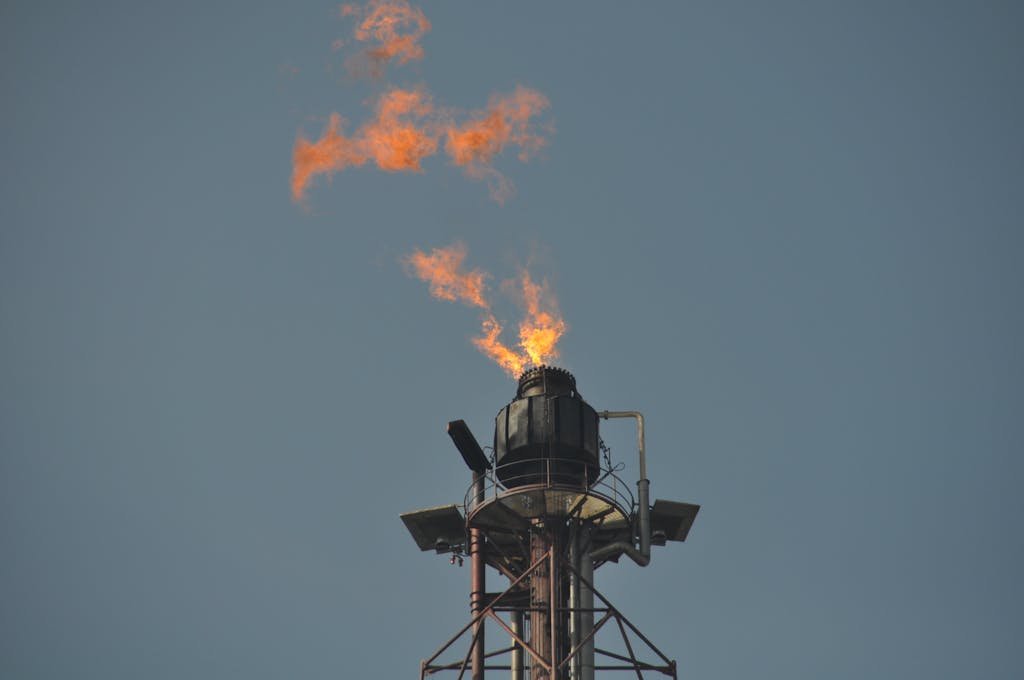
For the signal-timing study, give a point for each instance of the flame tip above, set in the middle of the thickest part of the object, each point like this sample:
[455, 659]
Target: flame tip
[443, 269]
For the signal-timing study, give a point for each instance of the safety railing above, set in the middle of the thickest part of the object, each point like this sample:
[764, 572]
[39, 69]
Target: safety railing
[555, 473]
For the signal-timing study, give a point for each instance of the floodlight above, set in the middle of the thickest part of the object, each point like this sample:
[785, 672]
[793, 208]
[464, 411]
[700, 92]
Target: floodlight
[672, 519]
[440, 528]
[467, 445]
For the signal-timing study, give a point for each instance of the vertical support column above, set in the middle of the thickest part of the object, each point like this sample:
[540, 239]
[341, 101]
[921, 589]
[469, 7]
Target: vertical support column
[575, 539]
[586, 599]
[549, 600]
[541, 625]
[554, 583]
[517, 649]
[478, 583]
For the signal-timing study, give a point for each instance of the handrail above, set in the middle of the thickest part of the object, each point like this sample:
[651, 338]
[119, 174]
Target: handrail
[608, 485]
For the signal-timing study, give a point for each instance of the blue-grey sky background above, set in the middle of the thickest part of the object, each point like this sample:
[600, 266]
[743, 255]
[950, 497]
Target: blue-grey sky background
[788, 232]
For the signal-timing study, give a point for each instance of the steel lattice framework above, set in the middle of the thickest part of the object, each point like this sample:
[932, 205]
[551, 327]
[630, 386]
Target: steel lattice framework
[545, 514]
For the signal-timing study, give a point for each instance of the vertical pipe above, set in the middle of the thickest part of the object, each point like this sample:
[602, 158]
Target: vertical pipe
[540, 594]
[553, 602]
[586, 656]
[517, 649]
[478, 582]
[642, 528]
[643, 492]
[575, 538]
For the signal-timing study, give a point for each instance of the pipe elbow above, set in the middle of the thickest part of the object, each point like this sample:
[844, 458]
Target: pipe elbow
[626, 549]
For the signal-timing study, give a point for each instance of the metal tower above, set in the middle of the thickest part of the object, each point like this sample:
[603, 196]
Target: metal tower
[545, 514]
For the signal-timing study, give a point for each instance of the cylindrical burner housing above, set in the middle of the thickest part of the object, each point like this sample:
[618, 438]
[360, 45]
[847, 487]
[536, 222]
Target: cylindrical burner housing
[547, 433]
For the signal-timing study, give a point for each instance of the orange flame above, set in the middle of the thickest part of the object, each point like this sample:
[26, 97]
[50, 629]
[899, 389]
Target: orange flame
[475, 143]
[394, 25]
[406, 130]
[491, 346]
[396, 140]
[332, 152]
[539, 331]
[442, 269]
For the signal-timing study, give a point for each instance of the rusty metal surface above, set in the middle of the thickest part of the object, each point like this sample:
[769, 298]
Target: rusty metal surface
[547, 647]
[545, 518]
[478, 586]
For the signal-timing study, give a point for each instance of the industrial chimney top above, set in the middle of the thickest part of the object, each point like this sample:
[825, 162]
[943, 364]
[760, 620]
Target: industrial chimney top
[545, 512]
[547, 427]
[546, 380]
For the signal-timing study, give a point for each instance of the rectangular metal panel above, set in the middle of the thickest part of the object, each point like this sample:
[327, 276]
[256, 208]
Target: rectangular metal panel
[673, 518]
[590, 430]
[430, 525]
[569, 425]
[537, 419]
[519, 423]
[500, 429]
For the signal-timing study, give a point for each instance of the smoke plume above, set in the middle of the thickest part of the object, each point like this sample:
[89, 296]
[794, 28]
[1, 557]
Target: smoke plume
[393, 29]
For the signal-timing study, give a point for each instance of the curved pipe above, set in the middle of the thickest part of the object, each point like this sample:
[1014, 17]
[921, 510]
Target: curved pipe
[641, 555]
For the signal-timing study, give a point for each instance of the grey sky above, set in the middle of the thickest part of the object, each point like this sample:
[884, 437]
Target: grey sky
[789, 232]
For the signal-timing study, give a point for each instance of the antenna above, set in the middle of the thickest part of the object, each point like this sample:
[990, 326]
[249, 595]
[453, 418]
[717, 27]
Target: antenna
[545, 517]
